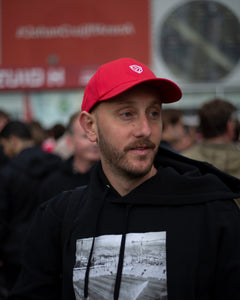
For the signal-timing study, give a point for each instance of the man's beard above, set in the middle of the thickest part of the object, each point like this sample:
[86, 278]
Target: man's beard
[118, 161]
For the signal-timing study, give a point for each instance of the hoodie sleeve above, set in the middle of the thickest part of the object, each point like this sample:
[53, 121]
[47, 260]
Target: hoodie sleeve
[40, 277]
[228, 258]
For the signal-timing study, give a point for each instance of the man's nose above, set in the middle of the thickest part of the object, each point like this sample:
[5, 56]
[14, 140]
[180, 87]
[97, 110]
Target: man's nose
[142, 127]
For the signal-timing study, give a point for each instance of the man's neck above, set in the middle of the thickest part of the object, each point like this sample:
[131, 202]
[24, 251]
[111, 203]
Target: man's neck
[124, 185]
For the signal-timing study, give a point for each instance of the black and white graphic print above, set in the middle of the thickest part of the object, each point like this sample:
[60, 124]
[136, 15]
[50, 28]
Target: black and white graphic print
[144, 268]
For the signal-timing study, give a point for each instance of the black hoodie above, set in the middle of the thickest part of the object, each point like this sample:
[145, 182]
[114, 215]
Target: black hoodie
[176, 237]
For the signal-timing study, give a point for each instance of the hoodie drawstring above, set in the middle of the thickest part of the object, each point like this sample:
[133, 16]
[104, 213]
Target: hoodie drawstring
[86, 279]
[121, 252]
[121, 256]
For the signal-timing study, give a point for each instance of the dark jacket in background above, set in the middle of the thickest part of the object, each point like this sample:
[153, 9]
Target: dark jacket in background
[63, 179]
[176, 236]
[3, 158]
[19, 186]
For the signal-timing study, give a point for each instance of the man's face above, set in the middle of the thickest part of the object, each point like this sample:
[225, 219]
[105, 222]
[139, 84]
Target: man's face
[129, 132]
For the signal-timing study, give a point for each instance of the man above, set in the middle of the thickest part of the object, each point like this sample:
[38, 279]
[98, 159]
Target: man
[218, 124]
[20, 180]
[75, 171]
[149, 225]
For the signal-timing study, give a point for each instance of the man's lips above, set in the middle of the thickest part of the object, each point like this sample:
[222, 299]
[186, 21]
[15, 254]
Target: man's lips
[140, 151]
[140, 147]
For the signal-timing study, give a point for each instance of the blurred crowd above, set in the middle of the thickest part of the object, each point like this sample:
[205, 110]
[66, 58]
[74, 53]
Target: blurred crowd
[211, 135]
[37, 164]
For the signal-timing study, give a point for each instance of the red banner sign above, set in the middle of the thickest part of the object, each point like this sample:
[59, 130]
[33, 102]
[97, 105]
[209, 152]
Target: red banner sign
[60, 33]
[62, 77]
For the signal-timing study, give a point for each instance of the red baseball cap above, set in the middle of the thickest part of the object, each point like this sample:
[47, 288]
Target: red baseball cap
[115, 77]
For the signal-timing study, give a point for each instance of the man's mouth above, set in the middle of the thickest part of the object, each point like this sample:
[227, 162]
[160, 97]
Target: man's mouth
[141, 148]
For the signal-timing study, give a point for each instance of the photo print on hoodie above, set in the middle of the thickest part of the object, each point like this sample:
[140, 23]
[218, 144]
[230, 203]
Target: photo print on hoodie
[144, 274]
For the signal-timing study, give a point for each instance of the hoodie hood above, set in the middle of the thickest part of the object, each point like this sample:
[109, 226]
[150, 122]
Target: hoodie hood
[182, 180]
[35, 162]
[188, 177]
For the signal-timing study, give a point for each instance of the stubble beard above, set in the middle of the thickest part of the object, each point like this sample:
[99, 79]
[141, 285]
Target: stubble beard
[117, 160]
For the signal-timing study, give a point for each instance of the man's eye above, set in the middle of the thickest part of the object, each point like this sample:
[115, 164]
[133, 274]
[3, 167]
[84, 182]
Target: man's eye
[126, 114]
[154, 113]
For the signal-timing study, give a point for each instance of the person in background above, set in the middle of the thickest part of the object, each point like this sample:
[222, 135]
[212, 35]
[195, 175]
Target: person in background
[62, 147]
[174, 135]
[20, 181]
[4, 119]
[237, 132]
[218, 127]
[53, 134]
[75, 171]
[57, 130]
[191, 135]
[38, 132]
[151, 224]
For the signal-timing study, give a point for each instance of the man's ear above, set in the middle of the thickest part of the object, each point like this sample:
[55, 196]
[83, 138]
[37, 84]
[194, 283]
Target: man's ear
[88, 123]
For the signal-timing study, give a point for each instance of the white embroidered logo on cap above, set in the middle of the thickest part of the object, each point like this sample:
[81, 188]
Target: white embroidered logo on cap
[136, 68]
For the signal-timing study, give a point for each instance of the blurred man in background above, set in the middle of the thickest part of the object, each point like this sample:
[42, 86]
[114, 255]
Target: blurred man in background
[4, 119]
[20, 180]
[174, 134]
[218, 126]
[74, 171]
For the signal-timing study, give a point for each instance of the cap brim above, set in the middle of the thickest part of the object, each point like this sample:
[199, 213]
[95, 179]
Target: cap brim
[169, 91]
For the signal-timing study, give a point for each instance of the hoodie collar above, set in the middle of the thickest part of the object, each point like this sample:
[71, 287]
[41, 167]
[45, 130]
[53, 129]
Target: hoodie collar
[179, 181]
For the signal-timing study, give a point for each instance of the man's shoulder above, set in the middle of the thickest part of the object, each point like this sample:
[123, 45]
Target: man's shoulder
[61, 202]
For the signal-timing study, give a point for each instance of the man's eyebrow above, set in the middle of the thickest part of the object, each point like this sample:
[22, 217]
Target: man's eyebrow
[124, 102]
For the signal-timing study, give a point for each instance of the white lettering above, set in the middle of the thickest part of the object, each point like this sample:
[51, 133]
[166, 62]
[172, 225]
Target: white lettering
[56, 77]
[22, 78]
[82, 31]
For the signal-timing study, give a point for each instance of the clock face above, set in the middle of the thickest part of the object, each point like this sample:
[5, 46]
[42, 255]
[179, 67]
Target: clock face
[200, 41]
